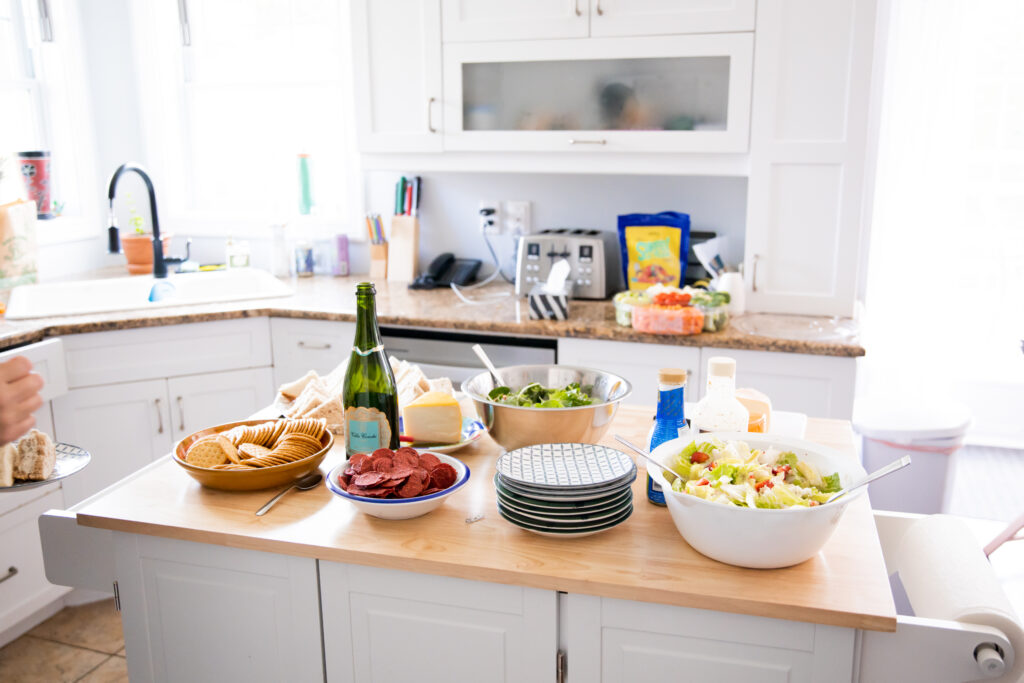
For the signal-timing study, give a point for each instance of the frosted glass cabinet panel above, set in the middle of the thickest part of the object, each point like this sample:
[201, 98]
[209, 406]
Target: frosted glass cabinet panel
[680, 93]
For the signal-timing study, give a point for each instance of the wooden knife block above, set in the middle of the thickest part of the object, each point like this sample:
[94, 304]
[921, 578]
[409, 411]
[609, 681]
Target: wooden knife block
[403, 249]
[378, 261]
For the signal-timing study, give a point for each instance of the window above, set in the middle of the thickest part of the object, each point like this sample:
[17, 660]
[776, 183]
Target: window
[42, 88]
[228, 109]
[945, 299]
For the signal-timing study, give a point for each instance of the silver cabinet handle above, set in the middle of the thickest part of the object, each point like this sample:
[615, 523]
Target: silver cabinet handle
[430, 114]
[159, 417]
[11, 571]
[600, 12]
[181, 415]
[576, 6]
[45, 22]
[186, 26]
[753, 276]
[574, 141]
[313, 347]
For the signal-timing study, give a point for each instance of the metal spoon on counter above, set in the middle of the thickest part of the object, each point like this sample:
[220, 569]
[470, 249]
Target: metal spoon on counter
[310, 481]
[482, 355]
[670, 476]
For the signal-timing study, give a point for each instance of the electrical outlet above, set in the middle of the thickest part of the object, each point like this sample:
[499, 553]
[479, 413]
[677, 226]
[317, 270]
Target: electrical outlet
[489, 213]
[517, 218]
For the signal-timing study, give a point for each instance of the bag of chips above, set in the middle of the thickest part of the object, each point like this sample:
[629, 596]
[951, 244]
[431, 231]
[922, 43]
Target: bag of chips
[655, 248]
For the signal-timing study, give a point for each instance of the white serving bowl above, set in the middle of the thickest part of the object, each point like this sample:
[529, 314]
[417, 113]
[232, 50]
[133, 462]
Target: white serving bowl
[753, 537]
[401, 508]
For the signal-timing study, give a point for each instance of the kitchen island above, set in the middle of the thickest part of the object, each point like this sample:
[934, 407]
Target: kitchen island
[206, 587]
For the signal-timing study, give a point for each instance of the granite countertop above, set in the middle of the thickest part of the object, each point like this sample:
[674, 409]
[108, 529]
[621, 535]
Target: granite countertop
[330, 298]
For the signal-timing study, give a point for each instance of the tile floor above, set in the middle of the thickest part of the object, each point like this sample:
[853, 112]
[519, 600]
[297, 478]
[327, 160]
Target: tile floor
[83, 643]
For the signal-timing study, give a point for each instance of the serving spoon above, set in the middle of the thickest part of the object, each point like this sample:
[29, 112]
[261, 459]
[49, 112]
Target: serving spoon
[482, 355]
[670, 476]
[310, 481]
[877, 474]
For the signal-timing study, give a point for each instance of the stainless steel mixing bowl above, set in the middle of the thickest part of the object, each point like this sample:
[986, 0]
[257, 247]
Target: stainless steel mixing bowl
[516, 426]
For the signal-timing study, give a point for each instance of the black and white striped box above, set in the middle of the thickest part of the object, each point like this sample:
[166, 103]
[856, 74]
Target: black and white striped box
[545, 305]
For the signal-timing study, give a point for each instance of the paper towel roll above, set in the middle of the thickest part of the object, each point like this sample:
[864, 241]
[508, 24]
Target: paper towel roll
[947, 576]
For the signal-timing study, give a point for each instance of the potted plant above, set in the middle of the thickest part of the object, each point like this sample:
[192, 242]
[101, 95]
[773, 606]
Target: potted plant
[138, 245]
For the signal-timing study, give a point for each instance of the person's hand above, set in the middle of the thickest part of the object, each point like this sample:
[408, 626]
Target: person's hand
[19, 398]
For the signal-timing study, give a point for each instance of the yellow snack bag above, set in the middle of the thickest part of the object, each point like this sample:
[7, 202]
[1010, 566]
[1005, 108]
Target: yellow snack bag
[654, 248]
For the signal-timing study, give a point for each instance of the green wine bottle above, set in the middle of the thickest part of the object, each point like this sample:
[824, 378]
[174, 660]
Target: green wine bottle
[370, 394]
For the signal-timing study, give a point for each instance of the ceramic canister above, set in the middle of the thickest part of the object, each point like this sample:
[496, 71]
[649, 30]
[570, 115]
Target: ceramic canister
[35, 169]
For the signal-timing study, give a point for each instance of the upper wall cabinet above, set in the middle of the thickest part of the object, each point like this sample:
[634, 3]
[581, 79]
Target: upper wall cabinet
[687, 93]
[467, 21]
[809, 189]
[396, 48]
[662, 17]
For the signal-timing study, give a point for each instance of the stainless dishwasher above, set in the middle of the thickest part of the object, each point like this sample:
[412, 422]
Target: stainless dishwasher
[450, 354]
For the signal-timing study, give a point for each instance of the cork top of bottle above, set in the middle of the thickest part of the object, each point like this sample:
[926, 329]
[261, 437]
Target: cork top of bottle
[672, 376]
[720, 366]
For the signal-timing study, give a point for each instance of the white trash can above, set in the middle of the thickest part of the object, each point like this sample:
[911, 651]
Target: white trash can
[930, 433]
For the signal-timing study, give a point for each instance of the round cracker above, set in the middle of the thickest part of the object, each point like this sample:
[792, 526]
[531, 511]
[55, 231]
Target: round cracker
[207, 452]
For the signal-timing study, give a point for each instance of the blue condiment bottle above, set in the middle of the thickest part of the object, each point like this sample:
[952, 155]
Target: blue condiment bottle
[669, 420]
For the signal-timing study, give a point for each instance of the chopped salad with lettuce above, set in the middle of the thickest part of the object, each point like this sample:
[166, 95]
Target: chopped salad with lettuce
[537, 396]
[733, 473]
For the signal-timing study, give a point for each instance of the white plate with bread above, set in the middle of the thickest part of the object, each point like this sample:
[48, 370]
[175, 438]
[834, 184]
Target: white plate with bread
[34, 460]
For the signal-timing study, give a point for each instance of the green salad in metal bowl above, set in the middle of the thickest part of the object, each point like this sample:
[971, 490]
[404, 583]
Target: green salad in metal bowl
[535, 395]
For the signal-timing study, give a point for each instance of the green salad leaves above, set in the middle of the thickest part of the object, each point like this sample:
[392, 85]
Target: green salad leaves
[537, 396]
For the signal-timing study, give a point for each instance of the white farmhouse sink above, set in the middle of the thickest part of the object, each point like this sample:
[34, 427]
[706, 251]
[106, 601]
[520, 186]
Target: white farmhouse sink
[131, 293]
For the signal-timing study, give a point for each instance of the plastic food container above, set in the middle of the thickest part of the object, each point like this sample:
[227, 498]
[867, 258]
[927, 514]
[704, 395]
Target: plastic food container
[716, 318]
[668, 319]
[624, 304]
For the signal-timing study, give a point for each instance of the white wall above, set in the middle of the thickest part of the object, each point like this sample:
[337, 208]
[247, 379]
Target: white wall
[449, 218]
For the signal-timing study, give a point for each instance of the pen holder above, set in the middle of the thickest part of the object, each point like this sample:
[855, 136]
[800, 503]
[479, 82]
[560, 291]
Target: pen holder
[405, 247]
[546, 305]
[378, 261]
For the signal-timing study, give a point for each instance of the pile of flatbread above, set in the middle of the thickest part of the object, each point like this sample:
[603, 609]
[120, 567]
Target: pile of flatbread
[314, 396]
[317, 396]
[412, 383]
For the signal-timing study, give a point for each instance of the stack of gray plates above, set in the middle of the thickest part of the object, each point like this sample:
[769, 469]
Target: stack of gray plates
[565, 489]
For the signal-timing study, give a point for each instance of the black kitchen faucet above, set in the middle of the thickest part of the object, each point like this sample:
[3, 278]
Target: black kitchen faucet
[113, 235]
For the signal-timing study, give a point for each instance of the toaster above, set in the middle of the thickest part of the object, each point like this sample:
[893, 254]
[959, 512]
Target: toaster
[592, 256]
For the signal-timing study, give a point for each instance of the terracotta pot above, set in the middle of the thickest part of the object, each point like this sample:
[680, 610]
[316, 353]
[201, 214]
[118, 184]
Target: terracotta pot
[138, 250]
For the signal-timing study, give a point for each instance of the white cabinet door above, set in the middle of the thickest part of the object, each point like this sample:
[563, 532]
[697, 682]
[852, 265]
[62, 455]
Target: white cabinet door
[450, 629]
[23, 585]
[809, 193]
[200, 401]
[637, 642]
[818, 386]
[637, 363]
[304, 345]
[478, 20]
[396, 52]
[660, 17]
[124, 426]
[197, 612]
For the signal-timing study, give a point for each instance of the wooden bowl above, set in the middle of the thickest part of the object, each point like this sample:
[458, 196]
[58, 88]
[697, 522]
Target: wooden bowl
[248, 480]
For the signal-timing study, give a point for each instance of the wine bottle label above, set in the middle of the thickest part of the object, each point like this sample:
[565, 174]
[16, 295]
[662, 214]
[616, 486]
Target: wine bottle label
[366, 430]
[375, 349]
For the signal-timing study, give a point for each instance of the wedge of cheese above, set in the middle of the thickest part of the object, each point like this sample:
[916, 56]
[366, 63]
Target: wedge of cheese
[434, 417]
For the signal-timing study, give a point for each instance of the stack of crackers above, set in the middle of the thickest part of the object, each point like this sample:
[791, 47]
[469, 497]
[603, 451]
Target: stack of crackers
[247, 447]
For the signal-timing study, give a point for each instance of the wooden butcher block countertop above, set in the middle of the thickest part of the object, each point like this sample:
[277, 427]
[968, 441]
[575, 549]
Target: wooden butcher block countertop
[643, 559]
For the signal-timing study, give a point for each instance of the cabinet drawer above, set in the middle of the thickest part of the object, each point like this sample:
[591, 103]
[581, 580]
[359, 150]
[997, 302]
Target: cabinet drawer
[304, 345]
[150, 353]
[25, 588]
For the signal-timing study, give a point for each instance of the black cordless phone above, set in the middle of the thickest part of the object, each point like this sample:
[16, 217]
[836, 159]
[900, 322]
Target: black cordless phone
[445, 270]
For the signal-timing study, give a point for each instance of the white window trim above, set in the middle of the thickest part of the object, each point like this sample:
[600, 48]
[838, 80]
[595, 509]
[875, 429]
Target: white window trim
[162, 89]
